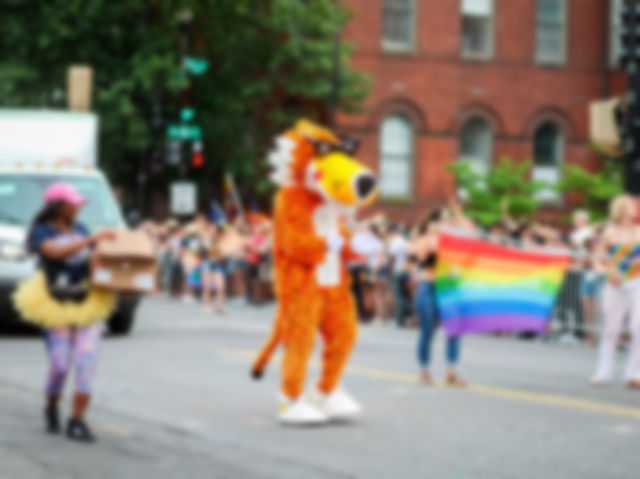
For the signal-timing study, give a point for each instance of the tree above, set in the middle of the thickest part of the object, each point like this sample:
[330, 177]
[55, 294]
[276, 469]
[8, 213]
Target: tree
[271, 61]
[506, 188]
[130, 46]
[595, 190]
[127, 45]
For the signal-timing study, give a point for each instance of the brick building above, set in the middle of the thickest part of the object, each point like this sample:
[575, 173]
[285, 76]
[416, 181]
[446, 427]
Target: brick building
[477, 80]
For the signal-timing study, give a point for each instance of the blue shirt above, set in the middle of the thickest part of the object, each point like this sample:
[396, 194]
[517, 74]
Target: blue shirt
[69, 273]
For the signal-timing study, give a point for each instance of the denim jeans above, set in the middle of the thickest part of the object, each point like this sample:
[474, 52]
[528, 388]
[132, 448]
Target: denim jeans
[427, 309]
[358, 273]
[401, 296]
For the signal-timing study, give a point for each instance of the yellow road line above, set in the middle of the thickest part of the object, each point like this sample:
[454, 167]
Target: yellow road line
[499, 392]
[555, 400]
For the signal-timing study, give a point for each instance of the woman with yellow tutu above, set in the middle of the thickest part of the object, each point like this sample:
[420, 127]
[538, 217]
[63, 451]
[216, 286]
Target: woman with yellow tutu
[60, 299]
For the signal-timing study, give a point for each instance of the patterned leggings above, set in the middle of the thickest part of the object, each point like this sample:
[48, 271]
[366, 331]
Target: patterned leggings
[72, 346]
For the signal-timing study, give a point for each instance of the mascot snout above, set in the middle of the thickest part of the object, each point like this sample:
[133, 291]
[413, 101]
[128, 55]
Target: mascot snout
[365, 186]
[342, 179]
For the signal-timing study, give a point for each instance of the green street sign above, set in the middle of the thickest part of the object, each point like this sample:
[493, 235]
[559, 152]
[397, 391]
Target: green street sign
[196, 66]
[184, 132]
[187, 114]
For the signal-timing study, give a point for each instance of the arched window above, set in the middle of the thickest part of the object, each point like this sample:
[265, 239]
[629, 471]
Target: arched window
[476, 143]
[396, 150]
[548, 153]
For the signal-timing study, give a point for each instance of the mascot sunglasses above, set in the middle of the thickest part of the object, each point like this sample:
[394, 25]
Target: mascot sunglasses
[347, 145]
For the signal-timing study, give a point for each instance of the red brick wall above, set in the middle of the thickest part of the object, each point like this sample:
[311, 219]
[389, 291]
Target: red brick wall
[437, 89]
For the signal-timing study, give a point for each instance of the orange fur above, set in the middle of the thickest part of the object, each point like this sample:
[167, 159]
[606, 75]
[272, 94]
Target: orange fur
[305, 308]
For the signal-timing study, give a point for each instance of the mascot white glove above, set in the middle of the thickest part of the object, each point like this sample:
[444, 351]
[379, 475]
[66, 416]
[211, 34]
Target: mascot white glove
[335, 243]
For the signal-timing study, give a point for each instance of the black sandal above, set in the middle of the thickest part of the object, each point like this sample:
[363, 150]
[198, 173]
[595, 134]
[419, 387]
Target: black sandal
[78, 430]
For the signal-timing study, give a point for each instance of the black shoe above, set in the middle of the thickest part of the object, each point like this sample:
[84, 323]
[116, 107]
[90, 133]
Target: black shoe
[52, 420]
[78, 430]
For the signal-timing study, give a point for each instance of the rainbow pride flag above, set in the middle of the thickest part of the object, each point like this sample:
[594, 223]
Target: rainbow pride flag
[482, 286]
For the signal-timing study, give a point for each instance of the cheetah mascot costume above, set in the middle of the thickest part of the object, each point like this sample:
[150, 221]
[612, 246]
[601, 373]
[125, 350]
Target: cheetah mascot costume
[321, 186]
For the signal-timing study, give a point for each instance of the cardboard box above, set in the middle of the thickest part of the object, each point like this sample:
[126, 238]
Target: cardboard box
[125, 265]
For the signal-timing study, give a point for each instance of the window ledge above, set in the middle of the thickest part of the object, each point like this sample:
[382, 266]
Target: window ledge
[397, 49]
[477, 58]
[557, 65]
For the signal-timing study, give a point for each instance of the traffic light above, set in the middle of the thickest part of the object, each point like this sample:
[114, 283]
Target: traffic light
[197, 156]
[630, 35]
[173, 152]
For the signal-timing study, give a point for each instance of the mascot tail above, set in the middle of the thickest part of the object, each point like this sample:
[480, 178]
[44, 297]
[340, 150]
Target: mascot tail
[261, 362]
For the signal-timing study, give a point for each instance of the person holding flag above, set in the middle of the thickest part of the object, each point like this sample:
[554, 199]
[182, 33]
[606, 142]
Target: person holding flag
[423, 254]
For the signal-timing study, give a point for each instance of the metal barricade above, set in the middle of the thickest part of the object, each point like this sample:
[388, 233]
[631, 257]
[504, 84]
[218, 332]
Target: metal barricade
[578, 308]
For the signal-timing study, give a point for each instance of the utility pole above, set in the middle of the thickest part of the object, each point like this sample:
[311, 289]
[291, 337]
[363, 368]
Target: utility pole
[629, 119]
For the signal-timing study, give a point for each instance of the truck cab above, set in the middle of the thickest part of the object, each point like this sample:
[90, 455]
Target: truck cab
[38, 148]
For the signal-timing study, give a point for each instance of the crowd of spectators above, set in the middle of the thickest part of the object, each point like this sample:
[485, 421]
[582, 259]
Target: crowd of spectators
[215, 263]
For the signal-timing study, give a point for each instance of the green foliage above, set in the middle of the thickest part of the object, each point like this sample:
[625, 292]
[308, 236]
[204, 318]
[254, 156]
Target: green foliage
[505, 189]
[130, 47]
[594, 189]
[271, 61]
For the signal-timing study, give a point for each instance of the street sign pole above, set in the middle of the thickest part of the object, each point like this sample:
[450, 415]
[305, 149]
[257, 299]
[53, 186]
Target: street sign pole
[188, 134]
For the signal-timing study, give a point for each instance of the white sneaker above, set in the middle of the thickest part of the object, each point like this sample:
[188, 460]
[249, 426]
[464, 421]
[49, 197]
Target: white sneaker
[188, 299]
[339, 405]
[300, 412]
[599, 381]
[568, 339]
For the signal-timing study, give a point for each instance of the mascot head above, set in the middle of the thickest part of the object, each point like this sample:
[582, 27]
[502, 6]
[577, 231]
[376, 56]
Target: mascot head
[312, 156]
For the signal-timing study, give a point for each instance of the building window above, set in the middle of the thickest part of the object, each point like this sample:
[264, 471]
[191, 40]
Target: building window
[477, 29]
[398, 25]
[551, 31]
[396, 148]
[548, 153]
[615, 42]
[476, 144]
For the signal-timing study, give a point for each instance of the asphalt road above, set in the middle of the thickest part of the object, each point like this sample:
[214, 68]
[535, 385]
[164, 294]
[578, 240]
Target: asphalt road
[174, 400]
